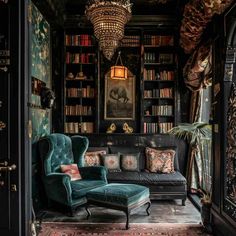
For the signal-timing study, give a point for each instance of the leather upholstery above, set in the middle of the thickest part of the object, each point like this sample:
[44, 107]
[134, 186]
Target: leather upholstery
[57, 149]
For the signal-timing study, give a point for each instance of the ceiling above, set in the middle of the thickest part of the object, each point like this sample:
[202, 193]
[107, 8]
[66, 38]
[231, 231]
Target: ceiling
[140, 7]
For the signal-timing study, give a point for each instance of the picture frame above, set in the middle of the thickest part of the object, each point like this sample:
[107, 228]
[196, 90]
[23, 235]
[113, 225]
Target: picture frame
[119, 102]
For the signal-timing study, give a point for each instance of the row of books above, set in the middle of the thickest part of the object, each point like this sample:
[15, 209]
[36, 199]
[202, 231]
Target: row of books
[165, 127]
[75, 127]
[78, 110]
[161, 110]
[158, 40]
[166, 93]
[79, 40]
[87, 92]
[154, 93]
[162, 58]
[80, 58]
[157, 127]
[158, 93]
[163, 75]
[130, 41]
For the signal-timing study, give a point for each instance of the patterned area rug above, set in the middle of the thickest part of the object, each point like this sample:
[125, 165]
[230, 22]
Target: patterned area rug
[117, 229]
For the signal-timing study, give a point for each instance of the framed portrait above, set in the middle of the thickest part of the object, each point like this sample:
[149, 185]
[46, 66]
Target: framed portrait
[119, 98]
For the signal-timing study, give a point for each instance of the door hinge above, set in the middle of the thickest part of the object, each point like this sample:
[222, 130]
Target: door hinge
[30, 129]
[30, 13]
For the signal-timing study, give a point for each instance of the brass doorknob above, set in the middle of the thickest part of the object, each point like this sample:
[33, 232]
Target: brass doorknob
[8, 168]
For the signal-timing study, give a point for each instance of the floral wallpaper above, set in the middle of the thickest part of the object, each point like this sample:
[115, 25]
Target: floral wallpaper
[40, 69]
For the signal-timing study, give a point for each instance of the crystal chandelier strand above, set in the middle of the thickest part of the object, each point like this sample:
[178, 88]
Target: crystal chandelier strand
[109, 19]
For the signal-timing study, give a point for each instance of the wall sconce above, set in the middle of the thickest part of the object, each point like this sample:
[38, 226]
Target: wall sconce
[119, 72]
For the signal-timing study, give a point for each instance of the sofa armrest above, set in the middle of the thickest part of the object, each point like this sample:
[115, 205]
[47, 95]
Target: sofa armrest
[94, 172]
[58, 188]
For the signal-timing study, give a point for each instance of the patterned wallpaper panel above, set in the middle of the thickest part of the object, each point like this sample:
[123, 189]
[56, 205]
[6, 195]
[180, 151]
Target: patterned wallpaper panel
[40, 69]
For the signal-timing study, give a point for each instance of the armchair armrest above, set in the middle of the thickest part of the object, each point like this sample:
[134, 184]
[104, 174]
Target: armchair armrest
[58, 187]
[94, 172]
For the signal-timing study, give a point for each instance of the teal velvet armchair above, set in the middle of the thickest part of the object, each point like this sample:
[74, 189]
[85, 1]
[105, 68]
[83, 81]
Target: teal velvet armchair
[57, 149]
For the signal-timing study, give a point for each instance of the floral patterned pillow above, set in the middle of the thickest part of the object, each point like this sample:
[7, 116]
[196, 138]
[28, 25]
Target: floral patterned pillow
[71, 170]
[161, 161]
[130, 162]
[112, 162]
[93, 158]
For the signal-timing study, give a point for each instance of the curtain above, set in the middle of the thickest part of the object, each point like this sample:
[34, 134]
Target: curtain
[198, 76]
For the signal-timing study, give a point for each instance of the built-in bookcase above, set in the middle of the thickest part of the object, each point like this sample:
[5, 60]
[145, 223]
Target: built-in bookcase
[159, 76]
[150, 54]
[80, 106]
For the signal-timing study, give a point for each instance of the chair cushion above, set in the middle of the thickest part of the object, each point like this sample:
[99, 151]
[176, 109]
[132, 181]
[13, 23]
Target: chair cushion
[81, 187]
[72, 170]
[119, 194]
[147, 178]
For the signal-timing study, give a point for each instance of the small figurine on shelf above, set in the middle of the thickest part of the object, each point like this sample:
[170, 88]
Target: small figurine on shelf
[111, 128]
[70, 76]
[127, 129]
[80, 75]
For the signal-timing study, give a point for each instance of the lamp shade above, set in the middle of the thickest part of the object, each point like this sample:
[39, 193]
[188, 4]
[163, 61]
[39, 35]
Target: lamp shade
[119, 72]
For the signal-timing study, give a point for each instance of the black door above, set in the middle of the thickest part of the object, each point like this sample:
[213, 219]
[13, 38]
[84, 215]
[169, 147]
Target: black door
[14, 201]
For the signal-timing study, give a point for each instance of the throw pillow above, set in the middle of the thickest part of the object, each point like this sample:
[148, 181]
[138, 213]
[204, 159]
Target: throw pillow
[93, 158]
[161, 161]
[130, 162]
[112, 162]
[71, 170]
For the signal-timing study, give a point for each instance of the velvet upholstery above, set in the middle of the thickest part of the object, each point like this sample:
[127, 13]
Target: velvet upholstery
[57, 149]
[119, 194]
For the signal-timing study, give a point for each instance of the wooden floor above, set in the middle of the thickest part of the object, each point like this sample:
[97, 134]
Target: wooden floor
[161, 212]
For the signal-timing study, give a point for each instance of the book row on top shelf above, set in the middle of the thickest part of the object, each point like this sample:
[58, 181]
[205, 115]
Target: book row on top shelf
[79, 40]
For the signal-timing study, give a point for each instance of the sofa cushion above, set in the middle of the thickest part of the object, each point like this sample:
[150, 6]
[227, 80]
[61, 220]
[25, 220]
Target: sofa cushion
[130, 161]
[81, 187]
[112, 162]
[176, 161]
[130, 149]
[147, 178]
[161, 161]
[93, 158]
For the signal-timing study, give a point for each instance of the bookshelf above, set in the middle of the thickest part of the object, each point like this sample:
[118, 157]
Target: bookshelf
[158, 82]
[80, 104]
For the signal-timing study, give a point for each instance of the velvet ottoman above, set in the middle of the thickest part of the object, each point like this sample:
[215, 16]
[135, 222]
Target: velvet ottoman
[123, 197]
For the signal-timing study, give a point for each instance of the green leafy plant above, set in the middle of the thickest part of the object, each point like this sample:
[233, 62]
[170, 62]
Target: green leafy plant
[193, 133]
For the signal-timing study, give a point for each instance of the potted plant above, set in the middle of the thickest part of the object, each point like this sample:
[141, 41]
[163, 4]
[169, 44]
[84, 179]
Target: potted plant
[196, 134]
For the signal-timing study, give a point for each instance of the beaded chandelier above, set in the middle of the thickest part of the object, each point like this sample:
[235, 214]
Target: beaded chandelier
[109, 19]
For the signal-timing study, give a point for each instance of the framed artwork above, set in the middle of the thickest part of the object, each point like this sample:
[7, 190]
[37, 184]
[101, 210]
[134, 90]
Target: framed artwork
[119, 101]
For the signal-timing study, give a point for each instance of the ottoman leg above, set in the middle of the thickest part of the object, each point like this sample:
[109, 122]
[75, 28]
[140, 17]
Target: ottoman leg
[148, 207]
[88, 212]
[127, 212]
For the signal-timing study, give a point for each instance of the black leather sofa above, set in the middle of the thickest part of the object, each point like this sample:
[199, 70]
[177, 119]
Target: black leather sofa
[162, 186]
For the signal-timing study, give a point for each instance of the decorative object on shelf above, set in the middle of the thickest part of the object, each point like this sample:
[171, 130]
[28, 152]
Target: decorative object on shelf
[127, 129]
[2, 125]
[111, 128]
[80, 76]
[119, 72]
[70, 76]
[109, 19]
[197, 14]
[47, 97]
